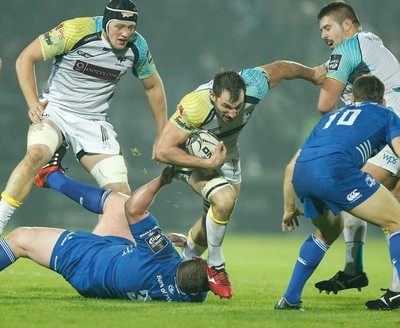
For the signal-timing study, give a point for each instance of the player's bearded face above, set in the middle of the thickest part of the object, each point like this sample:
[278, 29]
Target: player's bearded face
[331, 32]
[120, 32]
[225, 107]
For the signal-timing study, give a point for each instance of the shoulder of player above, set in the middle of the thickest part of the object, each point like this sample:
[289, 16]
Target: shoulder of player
[196, 101]
[138, 41]
[349, 45]
[76, 29]
[257, 81]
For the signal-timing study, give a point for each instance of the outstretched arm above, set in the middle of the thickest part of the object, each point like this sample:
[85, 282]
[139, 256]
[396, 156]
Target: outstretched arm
[289, 70]
[136, 206]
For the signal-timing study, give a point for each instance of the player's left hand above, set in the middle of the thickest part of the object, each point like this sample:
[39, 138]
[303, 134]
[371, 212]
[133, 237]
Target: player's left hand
[290, 220]
[319, 74]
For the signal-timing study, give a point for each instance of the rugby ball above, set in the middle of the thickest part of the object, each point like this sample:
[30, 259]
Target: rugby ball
[201, 143]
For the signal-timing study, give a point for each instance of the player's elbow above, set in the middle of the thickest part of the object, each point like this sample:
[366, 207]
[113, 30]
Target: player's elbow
[160, 154]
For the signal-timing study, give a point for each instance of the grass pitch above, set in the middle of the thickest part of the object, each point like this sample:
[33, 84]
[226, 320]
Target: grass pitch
[259, 268]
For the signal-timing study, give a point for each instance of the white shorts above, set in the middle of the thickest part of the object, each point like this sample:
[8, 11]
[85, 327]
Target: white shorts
[387, 160]
[91, 136]
[232, 170]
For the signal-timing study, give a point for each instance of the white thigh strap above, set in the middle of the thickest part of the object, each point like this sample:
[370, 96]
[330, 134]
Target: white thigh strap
[213, 186]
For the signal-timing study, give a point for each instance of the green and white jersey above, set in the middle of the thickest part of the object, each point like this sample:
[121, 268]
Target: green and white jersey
[86, 68]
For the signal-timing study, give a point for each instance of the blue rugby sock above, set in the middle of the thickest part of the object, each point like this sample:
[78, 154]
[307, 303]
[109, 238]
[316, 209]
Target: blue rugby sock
[90, 197]
[311, 253]
[394, 248]
[7, 257]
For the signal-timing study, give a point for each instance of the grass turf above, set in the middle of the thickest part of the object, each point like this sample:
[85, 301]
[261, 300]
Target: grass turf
[259, 268]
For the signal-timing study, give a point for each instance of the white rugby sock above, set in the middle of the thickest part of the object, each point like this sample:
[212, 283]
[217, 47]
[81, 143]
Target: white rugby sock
[354, 234]
[191, 249]
[6, 211]
[215, 237]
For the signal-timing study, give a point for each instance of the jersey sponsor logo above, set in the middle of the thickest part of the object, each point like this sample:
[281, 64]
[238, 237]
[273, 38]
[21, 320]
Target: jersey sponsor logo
[354, 195]
[48, 39]
[163, 289]
[156, 242]
[390, 159]
[96, 71]
[149, 57]
[334, 62]
[83, 54]
[370, 181]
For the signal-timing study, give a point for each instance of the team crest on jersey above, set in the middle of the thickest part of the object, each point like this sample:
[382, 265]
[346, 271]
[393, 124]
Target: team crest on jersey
[156, 242]
[334, 62]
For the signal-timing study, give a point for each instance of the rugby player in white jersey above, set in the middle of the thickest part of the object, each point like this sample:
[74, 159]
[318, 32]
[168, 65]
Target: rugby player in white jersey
[356, 52]
[90, 55]
[223, 106]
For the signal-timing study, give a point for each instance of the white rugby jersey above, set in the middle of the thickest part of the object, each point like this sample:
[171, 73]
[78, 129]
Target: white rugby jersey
[86, 69]
[365, 53]
[196, 110]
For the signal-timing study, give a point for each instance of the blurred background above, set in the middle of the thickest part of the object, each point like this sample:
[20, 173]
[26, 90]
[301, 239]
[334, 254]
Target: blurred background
[189, 41]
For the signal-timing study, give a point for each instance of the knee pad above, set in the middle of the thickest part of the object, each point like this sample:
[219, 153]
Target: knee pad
[212, 186]
[42, 133]
[110, 170]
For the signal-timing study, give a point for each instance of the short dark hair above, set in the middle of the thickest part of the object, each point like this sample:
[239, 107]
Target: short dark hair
[340, 11]
[368, 87]
[230, 81]
[191, 276]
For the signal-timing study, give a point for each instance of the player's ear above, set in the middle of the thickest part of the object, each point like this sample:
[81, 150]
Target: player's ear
[212, 95]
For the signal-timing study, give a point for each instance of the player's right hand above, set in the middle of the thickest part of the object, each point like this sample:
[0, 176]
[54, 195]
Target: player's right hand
[177, 239]
[36, 109]
[218, 157]
[290, 220]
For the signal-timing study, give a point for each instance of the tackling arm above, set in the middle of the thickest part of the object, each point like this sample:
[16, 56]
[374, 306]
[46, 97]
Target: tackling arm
[136, 206]
[289, 70]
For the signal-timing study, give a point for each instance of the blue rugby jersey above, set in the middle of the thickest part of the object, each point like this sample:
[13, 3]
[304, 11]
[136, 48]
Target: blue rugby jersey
[114, 267]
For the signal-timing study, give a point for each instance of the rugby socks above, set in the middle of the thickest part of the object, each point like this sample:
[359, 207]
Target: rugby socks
[354, 258]
[8, 205]
[394, 248]
[90, 197]
[215, 236]
[7, 257]
[395, 285]
[354, 234]
[311, 253]
[191, 249]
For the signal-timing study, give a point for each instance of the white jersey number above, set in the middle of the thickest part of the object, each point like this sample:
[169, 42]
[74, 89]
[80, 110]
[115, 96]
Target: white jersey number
[346, 118]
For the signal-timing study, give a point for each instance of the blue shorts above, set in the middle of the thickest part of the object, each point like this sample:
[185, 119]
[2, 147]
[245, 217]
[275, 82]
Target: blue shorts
[80, 256]
[323, 184]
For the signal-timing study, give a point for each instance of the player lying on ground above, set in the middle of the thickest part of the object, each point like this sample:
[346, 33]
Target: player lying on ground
[126, 257]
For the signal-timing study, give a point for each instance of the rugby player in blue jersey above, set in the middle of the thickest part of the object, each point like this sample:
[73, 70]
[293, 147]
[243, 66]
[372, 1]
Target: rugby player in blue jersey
[125, 257]
[326, 175]
[356, 52]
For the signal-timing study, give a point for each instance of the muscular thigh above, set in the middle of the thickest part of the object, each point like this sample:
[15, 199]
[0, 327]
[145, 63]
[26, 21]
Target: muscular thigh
[381, 209]
[36, 244]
